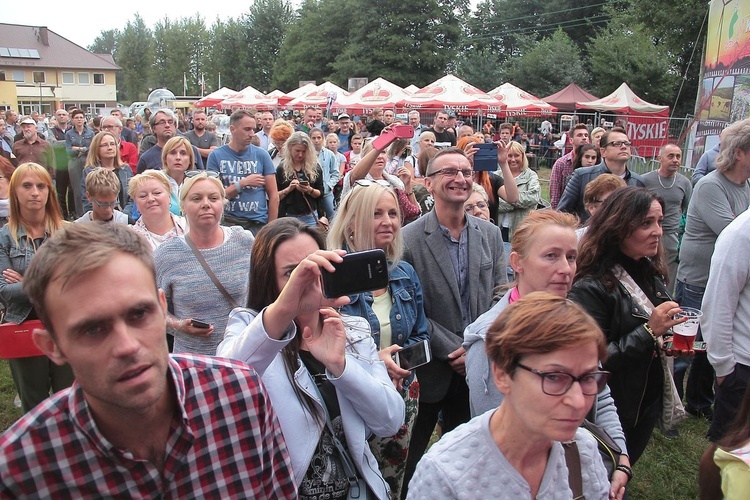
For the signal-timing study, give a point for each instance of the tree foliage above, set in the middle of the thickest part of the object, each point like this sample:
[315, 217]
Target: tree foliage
[134, 55]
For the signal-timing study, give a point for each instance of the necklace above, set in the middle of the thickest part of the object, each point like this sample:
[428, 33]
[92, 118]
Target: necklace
[674, 179]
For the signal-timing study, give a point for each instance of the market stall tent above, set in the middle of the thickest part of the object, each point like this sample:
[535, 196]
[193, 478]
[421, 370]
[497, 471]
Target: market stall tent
[317, 96]
[215, 98]
[518, 102]
[249, 98]
[452, 93]
[378, 94]
[566, 99]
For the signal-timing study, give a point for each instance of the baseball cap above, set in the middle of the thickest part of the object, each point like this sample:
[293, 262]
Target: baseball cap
[27, 120]
[343, 116]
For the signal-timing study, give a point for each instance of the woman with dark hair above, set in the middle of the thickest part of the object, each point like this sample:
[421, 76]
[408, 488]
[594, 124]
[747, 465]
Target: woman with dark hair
[620, 282]
[34, 216]
[321, 370]
[586, 155]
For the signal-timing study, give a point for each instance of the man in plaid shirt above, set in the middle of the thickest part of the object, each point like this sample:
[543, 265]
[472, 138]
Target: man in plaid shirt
[136, 423]
[563, 167]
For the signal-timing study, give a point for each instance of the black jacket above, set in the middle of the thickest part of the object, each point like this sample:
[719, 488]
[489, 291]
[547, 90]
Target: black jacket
[632, 356]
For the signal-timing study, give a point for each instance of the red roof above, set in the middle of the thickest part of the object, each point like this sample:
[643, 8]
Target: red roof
[566, 99]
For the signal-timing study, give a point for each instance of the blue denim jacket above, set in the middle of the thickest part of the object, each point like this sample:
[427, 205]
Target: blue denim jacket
[408, 321]
[16, 256]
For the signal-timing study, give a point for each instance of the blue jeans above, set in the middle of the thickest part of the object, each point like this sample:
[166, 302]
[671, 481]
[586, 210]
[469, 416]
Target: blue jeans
[327, 202]
[308, 219]
[699, 393]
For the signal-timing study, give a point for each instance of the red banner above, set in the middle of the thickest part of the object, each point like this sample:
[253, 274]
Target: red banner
[648, 132]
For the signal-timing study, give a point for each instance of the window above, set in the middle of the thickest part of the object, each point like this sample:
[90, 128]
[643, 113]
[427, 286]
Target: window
[98, 78]
[83, 79]
[39, 77]
[19, 75]
[68, 78]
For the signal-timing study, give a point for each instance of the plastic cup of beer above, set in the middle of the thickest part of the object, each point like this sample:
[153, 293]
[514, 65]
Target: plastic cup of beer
[684, 333]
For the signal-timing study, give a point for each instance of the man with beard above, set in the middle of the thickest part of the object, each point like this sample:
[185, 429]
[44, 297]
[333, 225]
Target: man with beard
[203, 140]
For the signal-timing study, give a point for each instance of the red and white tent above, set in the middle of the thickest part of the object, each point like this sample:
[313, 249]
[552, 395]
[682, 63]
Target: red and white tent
[379, 93]
[300, 91]
[521, 103]
[214, 98]
[275, 93]
[647, 124]
[317, 96]
[249, 97]
[411, 89]
[450, 92]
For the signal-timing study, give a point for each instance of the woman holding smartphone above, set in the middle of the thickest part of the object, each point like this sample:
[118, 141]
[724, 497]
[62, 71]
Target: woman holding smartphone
[299, 179]
[321, 370]
[369, 218]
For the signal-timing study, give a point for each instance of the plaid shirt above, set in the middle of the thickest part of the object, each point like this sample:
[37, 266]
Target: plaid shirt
[562, 170]
[227, 444]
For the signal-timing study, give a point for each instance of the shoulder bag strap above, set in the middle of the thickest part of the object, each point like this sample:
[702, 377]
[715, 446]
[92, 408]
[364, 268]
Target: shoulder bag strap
[573, 461]
[209, 272]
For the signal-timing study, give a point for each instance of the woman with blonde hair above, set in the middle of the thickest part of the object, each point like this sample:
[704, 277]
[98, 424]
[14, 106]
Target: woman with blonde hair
[34, 216]
[105, 153]
[299, 179]
[368, 217]
[183, 264]
[151, 193]
[177, 158]
[510, 215]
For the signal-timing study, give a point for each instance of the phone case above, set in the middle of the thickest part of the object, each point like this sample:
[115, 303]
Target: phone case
[359, 272]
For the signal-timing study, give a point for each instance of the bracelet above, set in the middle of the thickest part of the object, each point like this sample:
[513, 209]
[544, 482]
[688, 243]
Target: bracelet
[238, 186]
[410, 193]
[627, 470]
[650, 332]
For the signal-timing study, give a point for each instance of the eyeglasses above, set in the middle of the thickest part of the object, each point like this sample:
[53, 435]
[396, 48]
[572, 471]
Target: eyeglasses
[618, 144]
[164, 122]
[196, 173]
[451, 172]
[368, 182]
[104, 205]
[558, 383]
[470, 208]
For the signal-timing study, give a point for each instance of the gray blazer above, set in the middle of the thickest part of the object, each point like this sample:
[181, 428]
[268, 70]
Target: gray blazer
[425, 249]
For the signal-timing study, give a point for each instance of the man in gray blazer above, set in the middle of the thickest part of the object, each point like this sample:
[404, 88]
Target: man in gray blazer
[459, 260]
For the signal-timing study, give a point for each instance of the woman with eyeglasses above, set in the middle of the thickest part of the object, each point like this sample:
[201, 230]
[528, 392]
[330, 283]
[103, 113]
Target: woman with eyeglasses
[199, 302]
[299, 179]
[105, 153]
[372, 167]
[151, 192]
[34, 216]
[369, 218]
[478, 203]
[620, 282]
[322, 372]
[543, 256]
[596, 192]
[545, 353]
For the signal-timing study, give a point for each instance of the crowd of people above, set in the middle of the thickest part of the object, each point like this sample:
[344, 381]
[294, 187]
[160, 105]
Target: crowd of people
[545, 325]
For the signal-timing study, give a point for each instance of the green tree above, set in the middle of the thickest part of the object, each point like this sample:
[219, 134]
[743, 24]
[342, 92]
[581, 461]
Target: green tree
[225, 54]
[105, 43]
[134, 56]
[627, 53]
[265, 25]
[549, 65]
[403, 42]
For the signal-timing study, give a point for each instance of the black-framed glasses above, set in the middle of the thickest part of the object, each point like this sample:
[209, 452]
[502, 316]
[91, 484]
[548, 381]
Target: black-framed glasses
[370, 182]
[452, 172]
[470, 208]
[618, 144]
[558, 383]
[196, 173]
[104, 205]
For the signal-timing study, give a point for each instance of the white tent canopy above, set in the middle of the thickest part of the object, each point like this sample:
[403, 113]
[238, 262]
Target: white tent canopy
[622, 99]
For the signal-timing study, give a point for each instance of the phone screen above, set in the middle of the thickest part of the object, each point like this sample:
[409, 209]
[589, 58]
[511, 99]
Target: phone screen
[414, 355]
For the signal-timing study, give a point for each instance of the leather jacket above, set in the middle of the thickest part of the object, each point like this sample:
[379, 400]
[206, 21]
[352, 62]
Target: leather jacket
[632, 355]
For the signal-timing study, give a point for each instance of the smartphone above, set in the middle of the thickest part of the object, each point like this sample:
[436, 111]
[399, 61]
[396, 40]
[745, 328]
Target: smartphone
[698, 345]
[304, 183]
[403, 131]
[383, 140]
[199, 324]
[413, 356]
[359, 272]
[486, 157]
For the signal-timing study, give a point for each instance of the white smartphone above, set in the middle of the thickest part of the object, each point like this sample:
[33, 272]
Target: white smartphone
[413, 356]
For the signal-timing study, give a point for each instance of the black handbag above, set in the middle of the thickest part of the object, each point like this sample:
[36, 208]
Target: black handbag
[608, 449]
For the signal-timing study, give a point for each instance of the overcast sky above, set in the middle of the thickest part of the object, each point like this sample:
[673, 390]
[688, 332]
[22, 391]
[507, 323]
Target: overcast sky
[81, 22]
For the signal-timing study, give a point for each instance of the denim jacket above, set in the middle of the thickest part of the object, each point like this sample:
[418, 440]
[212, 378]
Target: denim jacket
[16, 256]
[408, 321]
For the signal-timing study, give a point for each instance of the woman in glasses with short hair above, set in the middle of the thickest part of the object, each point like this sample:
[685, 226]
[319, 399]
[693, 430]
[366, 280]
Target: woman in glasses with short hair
[545, 353]
[478, 203]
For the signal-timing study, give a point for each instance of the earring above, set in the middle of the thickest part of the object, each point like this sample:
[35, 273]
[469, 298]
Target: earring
[351, 236]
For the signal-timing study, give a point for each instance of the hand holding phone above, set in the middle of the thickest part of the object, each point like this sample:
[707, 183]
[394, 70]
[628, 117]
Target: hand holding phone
[413, 356]
[359, 272]
[199, 324]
